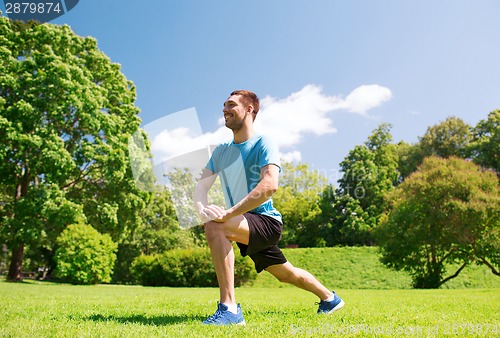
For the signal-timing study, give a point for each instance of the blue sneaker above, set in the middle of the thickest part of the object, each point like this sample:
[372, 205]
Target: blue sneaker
[328, 307]
[224, 317]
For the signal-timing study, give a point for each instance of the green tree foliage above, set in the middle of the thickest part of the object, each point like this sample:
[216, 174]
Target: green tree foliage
[141, 162]
[84, 256]
[158, 232]
[451, 137]
[66, 113]
[448, 138]
[485, 144]
[369, 172]
[446, 212]
[46, 210]
[409, 156]
[181, 187]
[352, 225]
[297, 199]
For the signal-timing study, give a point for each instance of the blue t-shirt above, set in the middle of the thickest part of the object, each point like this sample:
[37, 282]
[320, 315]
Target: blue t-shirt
[238, 166]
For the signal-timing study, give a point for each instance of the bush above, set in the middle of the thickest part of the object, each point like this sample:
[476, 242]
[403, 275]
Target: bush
[187, 268]
[84, 256]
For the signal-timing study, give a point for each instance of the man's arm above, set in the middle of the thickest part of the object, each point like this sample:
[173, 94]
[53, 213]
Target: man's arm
[261, 193]
[200, 195]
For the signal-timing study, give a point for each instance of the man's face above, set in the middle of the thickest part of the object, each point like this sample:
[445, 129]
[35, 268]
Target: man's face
[235, 112]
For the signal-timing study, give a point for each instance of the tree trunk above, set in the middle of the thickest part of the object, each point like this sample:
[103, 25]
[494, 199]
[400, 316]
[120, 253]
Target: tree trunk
[15, 268]
[16, 262]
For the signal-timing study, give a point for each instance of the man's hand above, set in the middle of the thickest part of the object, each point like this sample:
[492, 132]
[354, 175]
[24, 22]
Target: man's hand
[213, 213]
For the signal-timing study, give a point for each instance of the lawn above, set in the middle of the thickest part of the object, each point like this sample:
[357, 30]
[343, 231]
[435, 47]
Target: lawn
[44, 309]
[360, 268]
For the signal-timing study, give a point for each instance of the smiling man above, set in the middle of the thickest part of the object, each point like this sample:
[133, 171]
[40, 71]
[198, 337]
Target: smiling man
[249, 168]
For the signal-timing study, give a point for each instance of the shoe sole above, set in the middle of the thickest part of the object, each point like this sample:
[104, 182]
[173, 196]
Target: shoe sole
[336, 308]
[228, 324]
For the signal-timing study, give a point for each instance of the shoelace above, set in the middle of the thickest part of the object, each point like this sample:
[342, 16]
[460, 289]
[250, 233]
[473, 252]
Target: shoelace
[215, 316]
[320, 304]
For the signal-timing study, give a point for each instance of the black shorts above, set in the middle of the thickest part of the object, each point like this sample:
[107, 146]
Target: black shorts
[265, 233]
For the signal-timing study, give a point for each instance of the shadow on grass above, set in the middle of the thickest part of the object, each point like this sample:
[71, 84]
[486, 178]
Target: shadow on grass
[145, 320]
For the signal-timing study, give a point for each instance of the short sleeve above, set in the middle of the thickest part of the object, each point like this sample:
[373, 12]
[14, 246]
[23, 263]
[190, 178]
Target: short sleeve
[211, 164]
[269, 153]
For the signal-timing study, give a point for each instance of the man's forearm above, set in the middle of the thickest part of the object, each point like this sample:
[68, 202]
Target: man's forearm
[200, 194]
[200, 197]
[260, 194]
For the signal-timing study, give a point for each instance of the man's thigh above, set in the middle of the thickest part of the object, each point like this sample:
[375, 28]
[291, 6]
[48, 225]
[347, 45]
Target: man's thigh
[282, 272]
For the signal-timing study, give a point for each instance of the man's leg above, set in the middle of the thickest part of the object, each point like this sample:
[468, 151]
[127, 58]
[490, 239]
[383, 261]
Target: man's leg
[219, 237]
[287, 273]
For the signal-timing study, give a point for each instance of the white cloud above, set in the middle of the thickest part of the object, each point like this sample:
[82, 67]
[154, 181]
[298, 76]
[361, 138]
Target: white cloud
[303, 112]
[179, 134]
[292, 156]
[171, 143]
[286, 120]
[366, 97]
[307, 111]
[222, 134]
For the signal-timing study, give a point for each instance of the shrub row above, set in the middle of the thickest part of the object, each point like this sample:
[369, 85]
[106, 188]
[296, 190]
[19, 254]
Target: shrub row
[187, 268]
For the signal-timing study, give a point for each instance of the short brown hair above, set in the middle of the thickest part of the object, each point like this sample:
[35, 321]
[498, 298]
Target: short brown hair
[249, 98]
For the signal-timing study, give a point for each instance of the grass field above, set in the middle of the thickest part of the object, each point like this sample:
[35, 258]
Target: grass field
[360, 268]
[378, 301]
[42, 309]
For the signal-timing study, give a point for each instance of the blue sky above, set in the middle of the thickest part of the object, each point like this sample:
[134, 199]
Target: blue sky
[328, 71]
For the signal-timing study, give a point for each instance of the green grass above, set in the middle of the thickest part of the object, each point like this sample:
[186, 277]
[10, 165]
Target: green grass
[43, 309]
[378, 300]
[360, 268]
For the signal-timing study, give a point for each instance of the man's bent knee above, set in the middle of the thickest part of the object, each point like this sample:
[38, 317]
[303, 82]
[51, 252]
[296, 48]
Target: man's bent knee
[234, 230]
[213, 229]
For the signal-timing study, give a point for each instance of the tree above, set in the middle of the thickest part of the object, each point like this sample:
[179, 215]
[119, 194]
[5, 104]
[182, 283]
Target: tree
[38, 217]
[450, 137]
[158, 232]
[352, 225]
[409, 156]
[181, 188]
[447, 212]
[370, 171]
[66, 113]
[485, 144]
[297, 200]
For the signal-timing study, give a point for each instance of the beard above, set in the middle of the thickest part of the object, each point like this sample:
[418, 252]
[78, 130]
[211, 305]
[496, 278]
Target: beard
[235, 124]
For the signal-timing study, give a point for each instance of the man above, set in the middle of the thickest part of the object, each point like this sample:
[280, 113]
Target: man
[249, 169]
